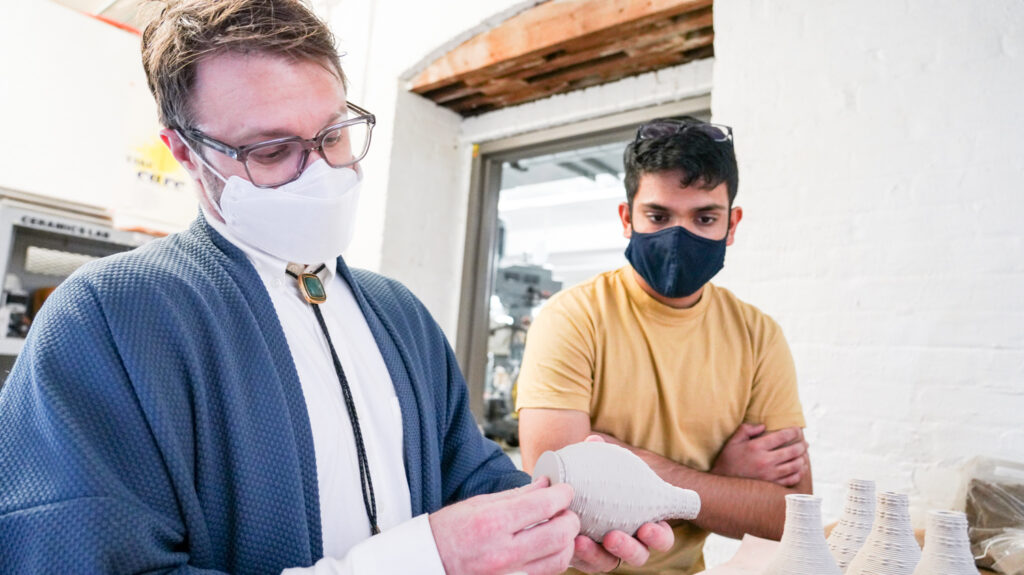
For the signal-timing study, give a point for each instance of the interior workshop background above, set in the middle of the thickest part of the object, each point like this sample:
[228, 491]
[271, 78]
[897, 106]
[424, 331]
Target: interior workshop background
[879, 144]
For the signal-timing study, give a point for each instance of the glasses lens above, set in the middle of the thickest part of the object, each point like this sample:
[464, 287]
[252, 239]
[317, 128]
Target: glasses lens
[346, 145]
[717, 134]
[274, 164]
[664, 128]
[659, 129]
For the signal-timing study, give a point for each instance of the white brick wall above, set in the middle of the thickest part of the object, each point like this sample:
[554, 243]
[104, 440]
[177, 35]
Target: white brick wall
[879, 148]
[879, 145]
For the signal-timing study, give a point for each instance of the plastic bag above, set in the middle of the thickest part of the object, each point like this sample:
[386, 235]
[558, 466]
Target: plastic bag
[994, 503]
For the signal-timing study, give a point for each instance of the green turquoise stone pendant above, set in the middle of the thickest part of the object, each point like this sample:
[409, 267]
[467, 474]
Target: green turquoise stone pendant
[312, 288]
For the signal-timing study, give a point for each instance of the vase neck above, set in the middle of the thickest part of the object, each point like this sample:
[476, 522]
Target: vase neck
[893, 511]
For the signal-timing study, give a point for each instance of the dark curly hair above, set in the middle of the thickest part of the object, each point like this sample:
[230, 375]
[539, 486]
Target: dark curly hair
[703, 161]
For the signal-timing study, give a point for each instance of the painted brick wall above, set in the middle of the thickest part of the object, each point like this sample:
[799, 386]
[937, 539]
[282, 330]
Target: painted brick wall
[879, 146]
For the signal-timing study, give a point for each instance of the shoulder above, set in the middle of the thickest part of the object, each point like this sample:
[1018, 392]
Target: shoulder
[758, 323]
[395, 303]
[589, 297]
[383, 288]
[391, 298]
[181, 275]
[161, 267]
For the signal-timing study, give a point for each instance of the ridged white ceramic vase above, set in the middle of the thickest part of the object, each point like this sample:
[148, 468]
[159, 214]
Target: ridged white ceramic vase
[803, 549]
[947, 550]
[854, 526]
[890, 549]
[614, 489]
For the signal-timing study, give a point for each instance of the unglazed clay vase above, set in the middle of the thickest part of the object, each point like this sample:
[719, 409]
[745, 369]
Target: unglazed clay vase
[614, 489]
[890, 549]
[947, 550]
[803, 549]
[854, 525]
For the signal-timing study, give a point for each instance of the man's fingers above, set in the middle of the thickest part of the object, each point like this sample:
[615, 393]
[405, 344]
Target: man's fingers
[531, 506]
[656, 535]
[790, 480]
[789, 452]
[550, 537]
[752, 429]
[787, 470]
[776, 439]
[746, 432]
[630, 550]
[590, 557]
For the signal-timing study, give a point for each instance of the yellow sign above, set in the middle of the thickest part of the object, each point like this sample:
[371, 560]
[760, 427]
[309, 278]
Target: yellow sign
[154, 164]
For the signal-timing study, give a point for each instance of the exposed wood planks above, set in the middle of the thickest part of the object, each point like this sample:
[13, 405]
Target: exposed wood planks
[566, 45]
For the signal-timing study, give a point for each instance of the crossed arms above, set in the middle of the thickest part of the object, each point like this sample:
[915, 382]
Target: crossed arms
[744, 491]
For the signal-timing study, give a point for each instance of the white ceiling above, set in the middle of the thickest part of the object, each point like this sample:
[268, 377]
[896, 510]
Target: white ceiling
[138, 13]
[134, 13]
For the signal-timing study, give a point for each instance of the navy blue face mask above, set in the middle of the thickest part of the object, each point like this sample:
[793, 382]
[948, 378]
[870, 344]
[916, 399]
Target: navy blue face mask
[674, 261]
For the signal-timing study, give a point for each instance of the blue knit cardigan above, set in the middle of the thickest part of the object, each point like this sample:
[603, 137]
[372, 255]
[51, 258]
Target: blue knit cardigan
[155, 422]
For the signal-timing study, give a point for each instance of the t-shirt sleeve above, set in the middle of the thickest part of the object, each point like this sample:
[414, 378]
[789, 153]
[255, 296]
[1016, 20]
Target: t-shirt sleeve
[558, 363]
[774, 400]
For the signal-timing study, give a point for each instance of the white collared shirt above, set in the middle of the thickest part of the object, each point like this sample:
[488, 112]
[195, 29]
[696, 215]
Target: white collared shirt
[403, 542]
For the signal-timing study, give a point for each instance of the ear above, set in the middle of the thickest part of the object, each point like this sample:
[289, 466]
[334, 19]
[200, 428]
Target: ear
[193, 166]
[627, 220]
[734, 220]
[180, 152]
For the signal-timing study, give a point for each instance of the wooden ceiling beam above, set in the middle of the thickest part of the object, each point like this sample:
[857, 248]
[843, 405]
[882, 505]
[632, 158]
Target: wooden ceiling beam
[565, 45]
[582, 78]
[542, 29]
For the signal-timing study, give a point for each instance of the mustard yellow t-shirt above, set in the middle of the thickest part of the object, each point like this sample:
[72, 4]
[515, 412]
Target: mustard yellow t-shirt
[677, 382]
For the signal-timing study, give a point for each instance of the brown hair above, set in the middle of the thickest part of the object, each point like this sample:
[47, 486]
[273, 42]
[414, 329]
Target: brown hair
[188, 31]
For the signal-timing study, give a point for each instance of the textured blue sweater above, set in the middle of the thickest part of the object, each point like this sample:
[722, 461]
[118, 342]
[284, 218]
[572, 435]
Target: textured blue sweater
[155, 422]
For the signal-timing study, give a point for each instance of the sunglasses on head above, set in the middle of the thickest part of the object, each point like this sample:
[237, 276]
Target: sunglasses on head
[670, 127]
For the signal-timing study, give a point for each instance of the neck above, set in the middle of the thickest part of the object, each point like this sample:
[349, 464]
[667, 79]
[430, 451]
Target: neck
[684, 302]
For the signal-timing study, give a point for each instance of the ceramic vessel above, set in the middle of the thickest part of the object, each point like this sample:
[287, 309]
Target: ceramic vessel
[947, 550]
[854, 525]
[803, 549]
[614, 488]
[890, 549]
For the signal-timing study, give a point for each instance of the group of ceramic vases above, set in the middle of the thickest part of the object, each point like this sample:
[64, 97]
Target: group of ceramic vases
[615, 489]
[873, 537]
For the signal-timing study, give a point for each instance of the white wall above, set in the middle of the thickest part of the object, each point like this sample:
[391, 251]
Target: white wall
[410, 167]
[879, 146]
[75, 116]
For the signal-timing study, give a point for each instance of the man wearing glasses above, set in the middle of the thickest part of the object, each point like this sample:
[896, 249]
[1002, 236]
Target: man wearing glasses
[233, 398]
[698, 383]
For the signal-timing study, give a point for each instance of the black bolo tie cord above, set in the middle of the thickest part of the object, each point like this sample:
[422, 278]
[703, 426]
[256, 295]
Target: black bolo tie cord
[369, 501]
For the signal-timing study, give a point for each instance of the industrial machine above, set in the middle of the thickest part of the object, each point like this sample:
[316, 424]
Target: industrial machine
[518, 292]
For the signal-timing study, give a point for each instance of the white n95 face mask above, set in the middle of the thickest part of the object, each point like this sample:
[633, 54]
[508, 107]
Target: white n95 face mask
[307, 221]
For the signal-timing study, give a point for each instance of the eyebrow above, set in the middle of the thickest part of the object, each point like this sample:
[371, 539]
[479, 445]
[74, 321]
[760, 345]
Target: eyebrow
[704, 208]
[262, 135]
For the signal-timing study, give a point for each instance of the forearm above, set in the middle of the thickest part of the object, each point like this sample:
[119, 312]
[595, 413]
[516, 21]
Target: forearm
[731, 506]
[543, 430]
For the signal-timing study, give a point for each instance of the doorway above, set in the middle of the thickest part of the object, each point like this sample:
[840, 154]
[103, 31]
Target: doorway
[542, 217]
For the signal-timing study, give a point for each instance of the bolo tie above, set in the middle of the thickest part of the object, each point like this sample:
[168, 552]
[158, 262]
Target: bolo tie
[312, 290]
